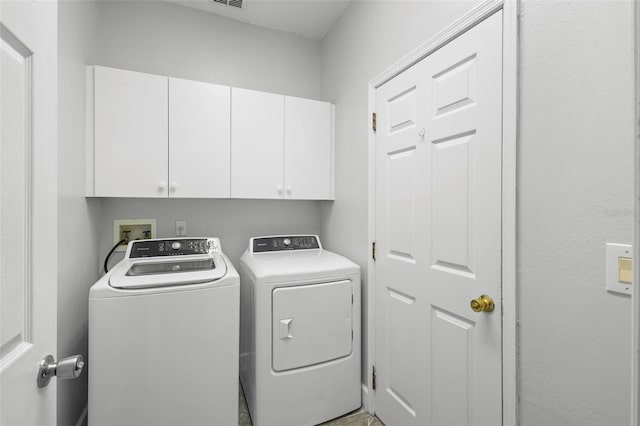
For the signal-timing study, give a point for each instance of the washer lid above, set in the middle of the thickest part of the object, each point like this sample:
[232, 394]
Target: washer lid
[169, 271]
[286, 266]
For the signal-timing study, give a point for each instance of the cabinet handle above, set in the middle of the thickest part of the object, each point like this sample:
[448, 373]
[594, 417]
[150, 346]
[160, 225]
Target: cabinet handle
[162, 185]
[289, 189]
[280, 189]
[174, 185]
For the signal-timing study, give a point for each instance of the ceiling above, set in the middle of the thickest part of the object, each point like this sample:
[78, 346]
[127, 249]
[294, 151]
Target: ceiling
[308, 18]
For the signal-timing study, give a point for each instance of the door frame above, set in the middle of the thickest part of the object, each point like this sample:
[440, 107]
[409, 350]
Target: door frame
[635, 299]
[509, 140]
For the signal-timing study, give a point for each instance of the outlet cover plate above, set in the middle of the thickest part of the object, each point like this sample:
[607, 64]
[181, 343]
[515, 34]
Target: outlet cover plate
[181, 228]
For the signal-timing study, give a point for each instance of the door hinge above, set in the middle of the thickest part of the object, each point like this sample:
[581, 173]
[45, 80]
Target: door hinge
[373, 377]
[373, 122]
[373, 250]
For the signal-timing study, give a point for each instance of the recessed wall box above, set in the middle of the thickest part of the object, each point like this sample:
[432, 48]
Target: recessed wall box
[133, 229]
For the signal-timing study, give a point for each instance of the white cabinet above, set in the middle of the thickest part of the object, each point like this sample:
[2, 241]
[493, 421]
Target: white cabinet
[130, 131]
[257, 147]
[199, 139]
[307, 149]
[153, 136]
[157, 136]
[281, 147]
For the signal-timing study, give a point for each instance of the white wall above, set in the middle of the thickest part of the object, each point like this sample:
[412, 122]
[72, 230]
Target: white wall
[369, 37]
[163, 38]
[575, 194]
[233, 221]
[77, 216]
[575, 182]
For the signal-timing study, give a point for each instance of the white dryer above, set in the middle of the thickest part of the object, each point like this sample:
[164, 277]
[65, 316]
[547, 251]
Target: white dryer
[300, 331]
[163, 336]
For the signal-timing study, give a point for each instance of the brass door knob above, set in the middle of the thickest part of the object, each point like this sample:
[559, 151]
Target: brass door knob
[483, 304]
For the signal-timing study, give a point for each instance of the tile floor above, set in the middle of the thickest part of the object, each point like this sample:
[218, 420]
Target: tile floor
[355, 418]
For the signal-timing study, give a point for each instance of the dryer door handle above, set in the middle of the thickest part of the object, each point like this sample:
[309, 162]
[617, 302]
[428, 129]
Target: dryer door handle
[286, 328]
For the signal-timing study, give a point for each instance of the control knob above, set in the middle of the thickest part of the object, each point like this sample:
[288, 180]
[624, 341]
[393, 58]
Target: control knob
[176, 245]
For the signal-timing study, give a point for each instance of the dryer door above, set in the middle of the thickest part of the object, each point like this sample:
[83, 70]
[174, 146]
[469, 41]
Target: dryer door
[311, 324]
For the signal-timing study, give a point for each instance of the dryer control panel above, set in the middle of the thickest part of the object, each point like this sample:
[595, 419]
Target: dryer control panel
[285, 242]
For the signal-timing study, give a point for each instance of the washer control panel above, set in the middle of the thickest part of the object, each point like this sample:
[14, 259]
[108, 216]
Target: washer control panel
[284, 242]
[172, 247]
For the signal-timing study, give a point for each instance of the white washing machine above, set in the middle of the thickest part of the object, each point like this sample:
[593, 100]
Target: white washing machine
[300, 331]
[163, 336]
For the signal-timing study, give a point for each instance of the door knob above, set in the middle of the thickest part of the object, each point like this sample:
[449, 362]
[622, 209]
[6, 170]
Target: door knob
[67, 368]
[483, 304]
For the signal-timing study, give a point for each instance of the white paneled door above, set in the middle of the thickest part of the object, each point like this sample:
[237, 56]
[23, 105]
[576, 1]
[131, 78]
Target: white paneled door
[28, 208]
[438, 234]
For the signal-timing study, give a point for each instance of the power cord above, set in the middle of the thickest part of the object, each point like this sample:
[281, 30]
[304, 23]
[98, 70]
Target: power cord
[106, 260]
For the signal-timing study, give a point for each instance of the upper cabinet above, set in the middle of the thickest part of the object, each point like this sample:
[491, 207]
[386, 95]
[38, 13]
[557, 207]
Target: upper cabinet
[199, 139]
[257, 125]
[281, 147]
[152, 136]
[130, 134]
[307, 149]
[157, 137]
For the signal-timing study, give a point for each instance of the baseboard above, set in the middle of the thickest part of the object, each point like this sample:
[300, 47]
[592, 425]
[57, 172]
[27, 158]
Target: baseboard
[366, 406]
[82, 420]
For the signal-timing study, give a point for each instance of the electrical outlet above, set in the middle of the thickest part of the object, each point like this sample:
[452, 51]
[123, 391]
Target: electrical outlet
[133, 229]
[181, 228]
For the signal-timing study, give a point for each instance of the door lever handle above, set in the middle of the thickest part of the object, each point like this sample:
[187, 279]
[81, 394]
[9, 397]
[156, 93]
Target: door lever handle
[67, 368]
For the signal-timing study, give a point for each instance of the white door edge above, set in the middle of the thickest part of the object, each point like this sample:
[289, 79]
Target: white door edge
[635, 326]
[509, 212]
[509, 127]
[368, 397]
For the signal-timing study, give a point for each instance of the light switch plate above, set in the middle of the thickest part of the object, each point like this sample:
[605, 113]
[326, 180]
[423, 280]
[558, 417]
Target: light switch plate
[617, 255]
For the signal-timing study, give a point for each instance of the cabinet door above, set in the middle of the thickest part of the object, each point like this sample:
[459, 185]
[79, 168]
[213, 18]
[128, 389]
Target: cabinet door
[257, 147]
[307, 149]
[199, 139]
[130, 134]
